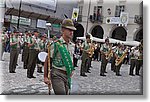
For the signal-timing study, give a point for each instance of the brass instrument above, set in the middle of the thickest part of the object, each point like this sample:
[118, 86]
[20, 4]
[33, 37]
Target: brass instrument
[120, 59]
[109, 54]
[91, 50]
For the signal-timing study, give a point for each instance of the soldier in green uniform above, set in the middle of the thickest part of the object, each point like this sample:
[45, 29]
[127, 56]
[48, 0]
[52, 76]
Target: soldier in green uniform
[33, 45]
[25, 53]
[133, 58]
[114, 49]
[105, 48]
[91, 52]
[85, 56]
[43, 48]
[43, 43]
[14, 46]
[62, 60]
[139, 60]
[120, 51]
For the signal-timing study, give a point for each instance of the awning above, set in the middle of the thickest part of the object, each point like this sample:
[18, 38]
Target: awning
[113, 41]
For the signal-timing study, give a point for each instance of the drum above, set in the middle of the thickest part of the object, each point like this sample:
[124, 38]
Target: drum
[42, 56]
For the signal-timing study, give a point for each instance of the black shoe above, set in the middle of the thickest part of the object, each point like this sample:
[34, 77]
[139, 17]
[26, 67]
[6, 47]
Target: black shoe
[39, 71]
[28, 76]
[118, 75]
[88, 72]
[102, 75]
[12, 72]
[33, 77]
[25, 68]
[138, 74]
[112, 70]
[105, 72]
[132, 74]
[83, 75]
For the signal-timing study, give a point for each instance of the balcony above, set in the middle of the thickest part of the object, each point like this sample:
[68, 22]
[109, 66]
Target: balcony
[96, 19]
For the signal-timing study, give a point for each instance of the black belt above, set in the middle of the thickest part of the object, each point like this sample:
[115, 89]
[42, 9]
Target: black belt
[61, 71]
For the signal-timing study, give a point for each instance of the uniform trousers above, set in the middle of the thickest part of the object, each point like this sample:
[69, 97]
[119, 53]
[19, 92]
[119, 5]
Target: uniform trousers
[13, 60]
[31, 62]
[138, 66]
[103, 65]
[113, 63]
[118, 69]
[132, 66]
[84, 63]
[25, 56]
[59, 82]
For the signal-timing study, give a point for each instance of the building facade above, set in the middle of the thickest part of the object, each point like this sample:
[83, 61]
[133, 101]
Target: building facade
[35, 14]
[102, 19]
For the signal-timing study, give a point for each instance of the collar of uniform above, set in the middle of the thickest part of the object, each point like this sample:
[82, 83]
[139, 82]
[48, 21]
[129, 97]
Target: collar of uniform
[63, 41]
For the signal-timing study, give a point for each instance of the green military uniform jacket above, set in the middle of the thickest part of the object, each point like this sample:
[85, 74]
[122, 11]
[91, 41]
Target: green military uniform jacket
[57, 60]
[14, 39]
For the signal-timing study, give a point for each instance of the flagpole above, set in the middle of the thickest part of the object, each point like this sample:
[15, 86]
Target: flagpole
[49, 71]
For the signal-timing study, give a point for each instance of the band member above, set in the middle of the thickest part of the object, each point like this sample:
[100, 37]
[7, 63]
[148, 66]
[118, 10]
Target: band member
[105, 48]
[133, 57]
[3, 44]
[43, 48]
[139, 60]
[43, 44]
[114, 49]
[96, 51]
[62, 60]
[14, 45]
[85, 56]
[76, 54]
[120, 55]
[90, 53]
[33, 52]
[25, 53]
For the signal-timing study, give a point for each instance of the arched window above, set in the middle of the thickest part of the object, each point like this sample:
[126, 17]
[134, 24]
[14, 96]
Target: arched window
[98, 32]
[119, 33]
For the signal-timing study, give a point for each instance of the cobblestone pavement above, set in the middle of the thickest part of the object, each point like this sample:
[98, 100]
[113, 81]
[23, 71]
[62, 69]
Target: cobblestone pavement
[18, 83]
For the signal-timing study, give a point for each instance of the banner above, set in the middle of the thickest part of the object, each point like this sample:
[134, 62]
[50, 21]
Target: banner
[112, 20]
[124, 17]
[75, 14]
[23, 21]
